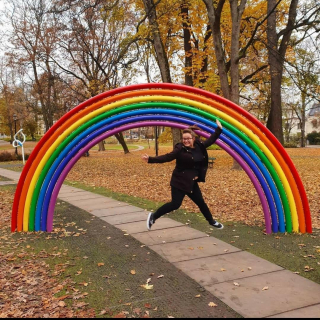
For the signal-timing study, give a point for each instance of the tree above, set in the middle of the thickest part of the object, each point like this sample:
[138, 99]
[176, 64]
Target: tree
[95, 41]
[34, 41]
[305, 77]
[278, 44]
[160, 52]
[30, 127]
[11, 98]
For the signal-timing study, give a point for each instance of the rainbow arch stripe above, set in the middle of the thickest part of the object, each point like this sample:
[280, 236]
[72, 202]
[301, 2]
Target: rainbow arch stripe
[252, 145]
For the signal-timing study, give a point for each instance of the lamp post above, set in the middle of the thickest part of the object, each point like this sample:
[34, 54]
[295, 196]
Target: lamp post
[15, 118]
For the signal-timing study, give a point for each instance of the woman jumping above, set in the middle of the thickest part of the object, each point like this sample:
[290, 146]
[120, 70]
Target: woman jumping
[191, 167]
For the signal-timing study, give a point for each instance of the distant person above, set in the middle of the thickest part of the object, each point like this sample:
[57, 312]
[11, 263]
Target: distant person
[191, 167]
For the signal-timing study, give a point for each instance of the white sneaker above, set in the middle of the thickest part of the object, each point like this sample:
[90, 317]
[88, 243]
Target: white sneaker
[217, 225]
[150, 221]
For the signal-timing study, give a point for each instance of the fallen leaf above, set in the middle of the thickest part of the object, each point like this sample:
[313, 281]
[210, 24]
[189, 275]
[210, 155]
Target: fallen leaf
[147, 286]
[137, 311]
[100, 264]
[265, 288]
[120, 315]
[236, 284]
[133, 272]
[212, 304]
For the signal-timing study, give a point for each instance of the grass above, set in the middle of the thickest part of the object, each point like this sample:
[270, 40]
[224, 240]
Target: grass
[295, 252]
[4, 179]
[115, 147]
[80, 242]
[12, 165]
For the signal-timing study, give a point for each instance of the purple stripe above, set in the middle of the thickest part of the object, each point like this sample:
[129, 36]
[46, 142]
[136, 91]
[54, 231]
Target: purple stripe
[105, 135]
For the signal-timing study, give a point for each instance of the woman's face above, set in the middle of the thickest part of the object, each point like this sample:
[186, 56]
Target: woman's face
[187, 140]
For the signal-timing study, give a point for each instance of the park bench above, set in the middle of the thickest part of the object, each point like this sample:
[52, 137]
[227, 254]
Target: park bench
[211, 162]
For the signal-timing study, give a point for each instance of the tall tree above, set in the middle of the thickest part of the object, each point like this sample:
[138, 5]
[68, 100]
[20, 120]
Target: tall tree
[305, 75]
[160, 50]
[227, 69]
[34, 40]
[95, 42]
[278, 44]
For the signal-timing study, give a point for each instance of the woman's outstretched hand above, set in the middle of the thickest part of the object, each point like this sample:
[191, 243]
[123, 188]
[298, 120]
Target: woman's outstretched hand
[145, 157]
[219, 124]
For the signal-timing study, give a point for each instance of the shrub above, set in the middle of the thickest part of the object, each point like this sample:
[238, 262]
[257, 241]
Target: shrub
[7, 156]
[214, 147]
[314, 137]
[19, 156]
[290, 145]
[11, 156]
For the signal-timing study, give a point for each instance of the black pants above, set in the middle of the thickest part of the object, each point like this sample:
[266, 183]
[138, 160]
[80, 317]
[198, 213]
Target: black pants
[177, 198]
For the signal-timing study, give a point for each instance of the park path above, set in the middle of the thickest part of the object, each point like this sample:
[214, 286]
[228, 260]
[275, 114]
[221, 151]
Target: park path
[2, 142]
[251, 286]
[138, 149]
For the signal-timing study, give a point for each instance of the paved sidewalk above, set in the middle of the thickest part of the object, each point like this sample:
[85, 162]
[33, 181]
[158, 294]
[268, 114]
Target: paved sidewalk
[234, 276]
[2, 142]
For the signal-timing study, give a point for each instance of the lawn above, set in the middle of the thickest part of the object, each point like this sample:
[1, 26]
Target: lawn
[87, 268]
[229, 194]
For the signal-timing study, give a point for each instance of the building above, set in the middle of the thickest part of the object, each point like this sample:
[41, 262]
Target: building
[312, 122]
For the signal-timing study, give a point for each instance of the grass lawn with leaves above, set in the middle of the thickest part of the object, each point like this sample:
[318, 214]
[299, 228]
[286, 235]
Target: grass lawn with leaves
[229, 194]
[88, 268]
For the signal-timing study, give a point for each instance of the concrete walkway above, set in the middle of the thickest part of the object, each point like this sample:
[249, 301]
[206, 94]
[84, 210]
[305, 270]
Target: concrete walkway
[2, 142]
[253, 287]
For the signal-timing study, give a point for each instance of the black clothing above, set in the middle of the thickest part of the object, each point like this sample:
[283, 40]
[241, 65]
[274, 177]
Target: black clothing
[183, 176]
[197, 158]
[177, 198]
[191, 168]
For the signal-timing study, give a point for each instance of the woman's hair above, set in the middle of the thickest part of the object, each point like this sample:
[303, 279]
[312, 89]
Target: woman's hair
[190, 130]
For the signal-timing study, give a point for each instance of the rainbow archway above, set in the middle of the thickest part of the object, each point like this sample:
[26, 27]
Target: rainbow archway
[279, 187]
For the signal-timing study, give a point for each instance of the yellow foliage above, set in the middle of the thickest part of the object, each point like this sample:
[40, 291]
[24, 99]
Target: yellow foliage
[166, 135]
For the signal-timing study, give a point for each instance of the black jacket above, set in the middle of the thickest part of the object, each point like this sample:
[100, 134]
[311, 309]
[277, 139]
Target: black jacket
[184, 174]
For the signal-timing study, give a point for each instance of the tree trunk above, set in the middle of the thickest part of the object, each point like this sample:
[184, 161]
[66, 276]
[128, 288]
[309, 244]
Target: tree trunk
[277, 55]
[303, 121]
[214, 16]
[156, 144]
[101, 146]
[120, 138]
[187, 43]
[274, 123]
[161, 55]
[230, 91]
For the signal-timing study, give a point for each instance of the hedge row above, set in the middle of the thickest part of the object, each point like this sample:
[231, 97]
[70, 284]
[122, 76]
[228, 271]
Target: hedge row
[9, 156]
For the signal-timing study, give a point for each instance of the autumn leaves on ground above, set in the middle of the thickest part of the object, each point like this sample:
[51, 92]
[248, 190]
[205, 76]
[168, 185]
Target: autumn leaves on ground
[88, 268]
[47, 275]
